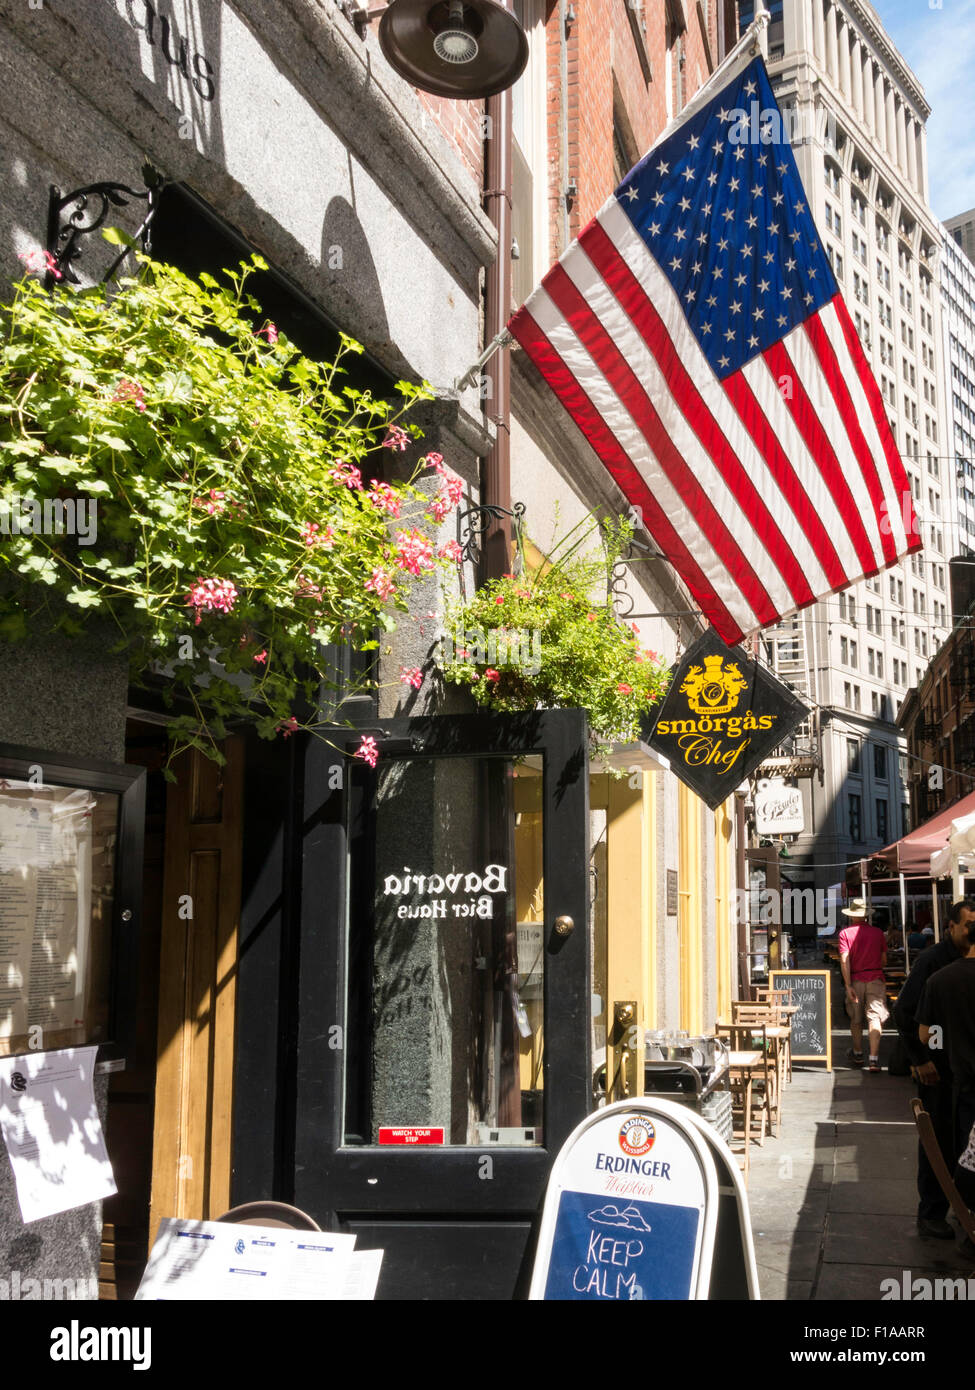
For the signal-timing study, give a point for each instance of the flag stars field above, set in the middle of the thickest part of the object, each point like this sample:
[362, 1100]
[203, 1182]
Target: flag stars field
[667, 329]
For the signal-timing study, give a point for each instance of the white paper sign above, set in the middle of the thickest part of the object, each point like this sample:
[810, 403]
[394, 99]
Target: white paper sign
[51, 1128]
[45, 905]
[217, 1260]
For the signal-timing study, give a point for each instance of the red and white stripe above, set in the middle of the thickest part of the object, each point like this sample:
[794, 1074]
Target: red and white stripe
[767, 490]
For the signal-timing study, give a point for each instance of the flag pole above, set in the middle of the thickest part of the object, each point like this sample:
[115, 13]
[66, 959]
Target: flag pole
[751, 42]
[754, 40]
[499, 341]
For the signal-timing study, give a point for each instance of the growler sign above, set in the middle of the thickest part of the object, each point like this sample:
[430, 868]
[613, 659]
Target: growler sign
[722, 715]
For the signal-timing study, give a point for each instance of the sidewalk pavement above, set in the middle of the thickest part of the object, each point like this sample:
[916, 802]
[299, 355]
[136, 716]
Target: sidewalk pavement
[833, 1199]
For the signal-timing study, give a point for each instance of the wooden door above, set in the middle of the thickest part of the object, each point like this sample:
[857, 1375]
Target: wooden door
[191, 1163]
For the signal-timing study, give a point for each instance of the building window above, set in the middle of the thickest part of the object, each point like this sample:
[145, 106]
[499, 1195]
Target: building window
[529, 171]
[853, 755]
[880, 761]
[853, 813]
[882, 827]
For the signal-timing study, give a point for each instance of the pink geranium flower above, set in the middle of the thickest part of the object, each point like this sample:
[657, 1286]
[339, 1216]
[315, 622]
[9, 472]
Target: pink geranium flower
[492, 675]
[381, 584]
[450, 551]
[269, 331]
[499, 598]
[36, 261]
[306, 589]
[411, 676]
[367, 751]
[287, 727]
[439, 509]
[213, 504]
[625, 689]
[436, 461]
[130, 391]
[261, 657]
[211, 596]
[454, 488]
[312, 534]
[383, 498]
[414, 552]
[346, 474]
[396, 439]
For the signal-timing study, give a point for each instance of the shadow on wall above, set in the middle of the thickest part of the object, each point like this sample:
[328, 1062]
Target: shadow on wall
[51, 135]
[183, 51]
[352, 280]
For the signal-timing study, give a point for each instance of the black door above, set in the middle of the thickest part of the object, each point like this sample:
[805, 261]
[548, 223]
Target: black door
[444, 1015]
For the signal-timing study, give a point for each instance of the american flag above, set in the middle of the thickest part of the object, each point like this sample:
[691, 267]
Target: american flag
[696, 334]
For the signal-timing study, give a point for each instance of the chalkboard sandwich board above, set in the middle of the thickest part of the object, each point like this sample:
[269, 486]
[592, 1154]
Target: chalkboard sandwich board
[630, 1210]
[810, 991]
[645, 1201]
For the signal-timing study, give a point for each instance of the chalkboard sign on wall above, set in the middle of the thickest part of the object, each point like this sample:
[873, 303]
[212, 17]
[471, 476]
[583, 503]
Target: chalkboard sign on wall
[809, 991]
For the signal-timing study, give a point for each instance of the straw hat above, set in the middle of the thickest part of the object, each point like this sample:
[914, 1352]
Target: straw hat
[858, 909]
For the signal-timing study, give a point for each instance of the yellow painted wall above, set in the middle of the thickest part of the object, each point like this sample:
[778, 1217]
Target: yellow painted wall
[725, 923]
[689, 914]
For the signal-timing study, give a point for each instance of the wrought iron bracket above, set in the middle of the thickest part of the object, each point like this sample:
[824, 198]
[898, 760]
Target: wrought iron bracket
[475, 521]
[71, 216]
[360, 16]
[616, 591]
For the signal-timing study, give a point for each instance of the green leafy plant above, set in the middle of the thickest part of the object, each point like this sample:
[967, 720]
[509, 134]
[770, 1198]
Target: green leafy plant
[238, 531]
[540, 639]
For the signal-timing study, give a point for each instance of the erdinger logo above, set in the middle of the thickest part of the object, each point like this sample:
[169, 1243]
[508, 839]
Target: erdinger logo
[637, 1136]
[715, 690]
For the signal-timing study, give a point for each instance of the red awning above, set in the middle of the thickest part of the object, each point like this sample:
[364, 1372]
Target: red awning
[912, 854]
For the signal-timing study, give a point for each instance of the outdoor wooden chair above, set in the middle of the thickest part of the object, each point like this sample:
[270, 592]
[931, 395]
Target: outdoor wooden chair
[749, 1072]
[775, 1036]
[932, 1148]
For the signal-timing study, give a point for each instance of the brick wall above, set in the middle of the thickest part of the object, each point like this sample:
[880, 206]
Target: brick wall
[462, 123]
[606, 77]
[605, 73]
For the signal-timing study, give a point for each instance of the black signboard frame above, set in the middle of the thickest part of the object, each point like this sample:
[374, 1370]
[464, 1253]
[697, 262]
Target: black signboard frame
[782, 979]
[721, 717]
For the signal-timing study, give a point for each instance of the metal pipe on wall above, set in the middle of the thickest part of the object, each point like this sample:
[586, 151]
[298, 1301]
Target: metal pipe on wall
[564, 119]
[496, 479]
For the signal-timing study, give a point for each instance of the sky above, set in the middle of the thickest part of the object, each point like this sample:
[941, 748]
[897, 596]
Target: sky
[937, 40]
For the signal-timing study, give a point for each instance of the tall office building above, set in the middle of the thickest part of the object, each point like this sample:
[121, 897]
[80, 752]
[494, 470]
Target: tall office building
[961, 228]
[857, 115]
[957, 277]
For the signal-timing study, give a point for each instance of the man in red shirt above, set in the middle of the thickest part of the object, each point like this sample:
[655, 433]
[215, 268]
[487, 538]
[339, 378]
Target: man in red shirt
[863, 955]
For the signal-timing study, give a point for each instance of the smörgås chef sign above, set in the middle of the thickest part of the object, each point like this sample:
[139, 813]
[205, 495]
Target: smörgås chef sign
[722, 715]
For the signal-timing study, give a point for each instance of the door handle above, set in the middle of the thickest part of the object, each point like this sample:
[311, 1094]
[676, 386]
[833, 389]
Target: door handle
[564, 926]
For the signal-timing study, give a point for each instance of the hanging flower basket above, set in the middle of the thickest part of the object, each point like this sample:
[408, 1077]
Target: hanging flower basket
[170, 466]
[540, 640]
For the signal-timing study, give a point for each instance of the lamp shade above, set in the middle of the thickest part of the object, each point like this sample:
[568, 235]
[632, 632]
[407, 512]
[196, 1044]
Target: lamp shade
[462, 49]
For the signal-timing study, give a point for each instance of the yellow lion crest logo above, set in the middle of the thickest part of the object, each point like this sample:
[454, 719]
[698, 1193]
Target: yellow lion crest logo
[715, 690]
